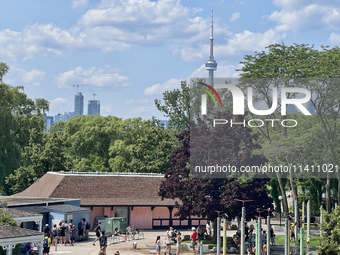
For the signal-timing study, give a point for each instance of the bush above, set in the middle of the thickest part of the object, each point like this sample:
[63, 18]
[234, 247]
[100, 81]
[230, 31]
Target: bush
[329, 244]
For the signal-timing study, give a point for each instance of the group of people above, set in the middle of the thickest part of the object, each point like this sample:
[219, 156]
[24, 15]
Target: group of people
[196, 236]
[168, 237]
[65, 232]
[250, 240]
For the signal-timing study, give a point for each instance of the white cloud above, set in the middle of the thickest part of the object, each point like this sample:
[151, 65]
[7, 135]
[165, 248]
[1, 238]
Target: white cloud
[236, 44]
[93, 76]
[33, 77]
[334, 38]
[60, 105]
[235, 16]
[301, 16]
[136, 101]
[79, 4]
[160, 88]
[105, 110]
[35, 40]
[114, 25]
[142, 109]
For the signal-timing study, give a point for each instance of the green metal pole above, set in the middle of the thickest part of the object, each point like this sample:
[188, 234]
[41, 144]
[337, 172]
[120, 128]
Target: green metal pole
[308, 217]
[321, 219]
[303, 214]
[201, 248]
[288, 237]
[301, 241]
[257, 250]
[224, 236]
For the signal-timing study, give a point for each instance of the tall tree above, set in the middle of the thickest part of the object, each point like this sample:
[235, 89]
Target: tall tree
[18, 115]
[176, 107]
[293, 63]
[206, 195]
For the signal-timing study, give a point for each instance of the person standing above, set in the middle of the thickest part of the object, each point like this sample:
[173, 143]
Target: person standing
[178, 243]
[200, 231]
[167, 242]
[98, 233]
[103, 242]
[80, 230]
[87, 229]
[67, 232]
[62, 234]
[73, 232]
[47, 230]
[158, 245]
[292, 235]
[55, 233]
[208, 228]
[193, 238]
[46, 244]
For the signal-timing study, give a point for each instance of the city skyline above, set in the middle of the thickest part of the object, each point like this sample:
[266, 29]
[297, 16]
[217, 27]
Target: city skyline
[130, 52]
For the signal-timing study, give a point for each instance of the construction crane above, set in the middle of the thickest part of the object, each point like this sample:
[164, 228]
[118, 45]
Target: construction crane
[94, 95]
[80, 85]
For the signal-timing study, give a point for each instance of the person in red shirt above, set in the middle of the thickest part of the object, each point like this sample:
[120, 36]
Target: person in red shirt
[193, 238]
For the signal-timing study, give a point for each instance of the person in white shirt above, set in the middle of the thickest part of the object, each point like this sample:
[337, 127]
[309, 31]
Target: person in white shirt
[208, 228]
[167, 242]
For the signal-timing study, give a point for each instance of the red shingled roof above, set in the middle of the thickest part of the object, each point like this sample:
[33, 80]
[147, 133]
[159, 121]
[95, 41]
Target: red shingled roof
[100, 190]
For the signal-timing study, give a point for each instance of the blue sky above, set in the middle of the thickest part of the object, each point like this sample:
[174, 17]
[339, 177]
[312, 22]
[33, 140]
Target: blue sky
[130, 51]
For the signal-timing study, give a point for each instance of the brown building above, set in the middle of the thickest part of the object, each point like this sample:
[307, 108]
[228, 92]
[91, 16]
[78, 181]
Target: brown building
[130, 195]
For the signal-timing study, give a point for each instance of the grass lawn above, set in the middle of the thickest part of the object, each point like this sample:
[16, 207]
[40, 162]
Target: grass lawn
[313, 240]
[312, 226]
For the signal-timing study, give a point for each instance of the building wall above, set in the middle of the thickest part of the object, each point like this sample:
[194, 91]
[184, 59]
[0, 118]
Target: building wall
[109, 212]
[160, 213]
[141, 217]
[96, 211]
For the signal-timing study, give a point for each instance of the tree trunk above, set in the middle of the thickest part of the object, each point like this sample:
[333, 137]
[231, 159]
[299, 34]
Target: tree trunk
[328, 194]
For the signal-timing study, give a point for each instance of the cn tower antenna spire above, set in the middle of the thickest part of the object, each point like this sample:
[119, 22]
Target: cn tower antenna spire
[211, 64]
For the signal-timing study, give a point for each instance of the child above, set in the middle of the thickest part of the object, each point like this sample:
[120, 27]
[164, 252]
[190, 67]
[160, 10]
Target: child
[264, 248]
[134, 244]
[248, 251]
[158, 245]
[254, 248]
[198, 249]
[178, 243]
[308, 240]
[273, 239]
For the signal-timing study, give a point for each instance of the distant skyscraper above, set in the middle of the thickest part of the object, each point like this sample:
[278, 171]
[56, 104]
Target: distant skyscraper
[78, 104]
[211, 64]
[93, 108]
[48, 121]
[57, 118]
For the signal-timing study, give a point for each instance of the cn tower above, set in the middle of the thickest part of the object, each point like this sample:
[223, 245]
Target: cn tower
[211, 64]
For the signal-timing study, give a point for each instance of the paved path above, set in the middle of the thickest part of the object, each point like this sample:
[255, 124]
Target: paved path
[145, 246]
